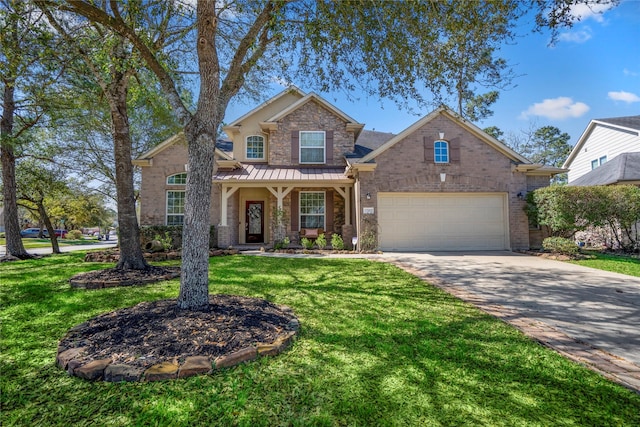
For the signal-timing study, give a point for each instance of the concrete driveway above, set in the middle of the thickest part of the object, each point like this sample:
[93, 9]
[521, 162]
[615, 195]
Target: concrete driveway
[563, 305]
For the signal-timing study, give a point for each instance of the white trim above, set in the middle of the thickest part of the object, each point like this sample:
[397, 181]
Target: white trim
[179, 138]
[313, 96]
[246, 147]
[324, 215]
[435, 155]
[166, 206]
[290, 90]
[324, 147]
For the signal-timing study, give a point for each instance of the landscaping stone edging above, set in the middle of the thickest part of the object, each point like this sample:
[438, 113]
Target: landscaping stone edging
[103, 369]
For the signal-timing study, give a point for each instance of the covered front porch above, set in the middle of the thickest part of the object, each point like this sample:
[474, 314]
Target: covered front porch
[262, 204]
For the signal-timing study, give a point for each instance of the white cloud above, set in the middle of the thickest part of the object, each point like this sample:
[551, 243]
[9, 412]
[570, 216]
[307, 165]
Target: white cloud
[576, 36]
[558, 108]
[624, 96]
[583, 11]
[631, 73]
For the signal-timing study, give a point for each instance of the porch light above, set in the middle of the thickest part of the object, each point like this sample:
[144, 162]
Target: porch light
[368, 196]
[520, 196]
[441, 135]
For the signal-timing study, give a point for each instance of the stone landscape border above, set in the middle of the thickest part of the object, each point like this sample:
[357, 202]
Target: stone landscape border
[104, 369]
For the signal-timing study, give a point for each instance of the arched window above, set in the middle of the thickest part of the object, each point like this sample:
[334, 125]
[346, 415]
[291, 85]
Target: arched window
[441, 152]
[255, 147]
[177, 179]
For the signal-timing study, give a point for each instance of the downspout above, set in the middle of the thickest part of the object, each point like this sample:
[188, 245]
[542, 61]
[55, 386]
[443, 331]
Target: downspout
[356, 188]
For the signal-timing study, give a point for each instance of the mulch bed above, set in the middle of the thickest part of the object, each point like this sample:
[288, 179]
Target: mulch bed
[151, 333]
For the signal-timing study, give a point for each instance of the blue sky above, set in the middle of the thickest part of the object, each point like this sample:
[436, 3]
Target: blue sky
[593, 71]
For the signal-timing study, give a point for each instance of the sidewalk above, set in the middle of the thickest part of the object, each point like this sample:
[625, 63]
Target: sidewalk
[71, 248]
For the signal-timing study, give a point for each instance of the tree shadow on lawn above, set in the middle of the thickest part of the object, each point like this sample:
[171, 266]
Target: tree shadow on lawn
[379, 348]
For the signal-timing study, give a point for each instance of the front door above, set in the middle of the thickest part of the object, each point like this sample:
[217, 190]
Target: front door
[254, 224]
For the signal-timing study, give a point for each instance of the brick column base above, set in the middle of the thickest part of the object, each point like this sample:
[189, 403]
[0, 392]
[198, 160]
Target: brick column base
[347, 234]
[224, 236]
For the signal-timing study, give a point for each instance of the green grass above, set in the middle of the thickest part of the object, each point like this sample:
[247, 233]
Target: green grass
[377, 347]
[31, 243]
[615, 263]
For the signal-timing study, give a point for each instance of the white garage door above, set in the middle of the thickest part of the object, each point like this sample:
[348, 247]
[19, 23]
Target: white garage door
[443, 221]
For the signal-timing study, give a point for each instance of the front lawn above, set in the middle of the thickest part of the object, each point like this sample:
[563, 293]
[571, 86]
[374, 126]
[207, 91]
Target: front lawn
[609, 262]
[377, 346]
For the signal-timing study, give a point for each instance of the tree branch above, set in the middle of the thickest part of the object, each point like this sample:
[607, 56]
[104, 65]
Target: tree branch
[117, 24]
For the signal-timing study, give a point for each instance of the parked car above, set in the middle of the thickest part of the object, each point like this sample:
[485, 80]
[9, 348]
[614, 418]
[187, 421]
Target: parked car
[61, 233]
[33, 232]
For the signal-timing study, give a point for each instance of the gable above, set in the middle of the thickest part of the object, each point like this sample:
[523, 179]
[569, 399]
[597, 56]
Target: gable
[435, 134]
[146, 159]
[268, 108]
[440, 145]
[352, 125]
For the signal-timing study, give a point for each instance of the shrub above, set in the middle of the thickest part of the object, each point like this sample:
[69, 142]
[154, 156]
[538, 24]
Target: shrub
[560, 245]
[369, 234]
[74, 234]
[567, 210]
[321, 241]
[336, 242]
[306, 243]
[282, 244]
[165, 241]
[149, 232]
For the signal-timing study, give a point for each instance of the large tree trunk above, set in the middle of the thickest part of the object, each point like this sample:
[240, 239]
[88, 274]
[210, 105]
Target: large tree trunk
[194, 280]
[131, 256]
[200, 133]
[11, 223]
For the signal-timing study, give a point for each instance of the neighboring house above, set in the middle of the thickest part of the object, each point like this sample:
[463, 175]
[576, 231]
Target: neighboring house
[441, 184]
[606, 153]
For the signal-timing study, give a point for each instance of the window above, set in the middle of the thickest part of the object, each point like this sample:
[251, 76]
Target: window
[598, 162]
[175, 207]
[177, 179]
[312, 147]
[312, 209]
[255, 147]
[441, 151]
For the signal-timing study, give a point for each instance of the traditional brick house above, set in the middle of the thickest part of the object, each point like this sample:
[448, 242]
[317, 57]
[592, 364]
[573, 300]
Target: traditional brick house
[441, 184]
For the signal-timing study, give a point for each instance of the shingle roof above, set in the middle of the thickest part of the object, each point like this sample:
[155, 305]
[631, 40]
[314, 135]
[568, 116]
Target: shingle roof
[632, 122]
[625, 167]
[373, 139]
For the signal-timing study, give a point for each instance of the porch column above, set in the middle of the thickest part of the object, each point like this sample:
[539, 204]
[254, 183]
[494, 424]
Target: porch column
[345, 192]
[225, 194]
[280, 193]
[356, 189]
